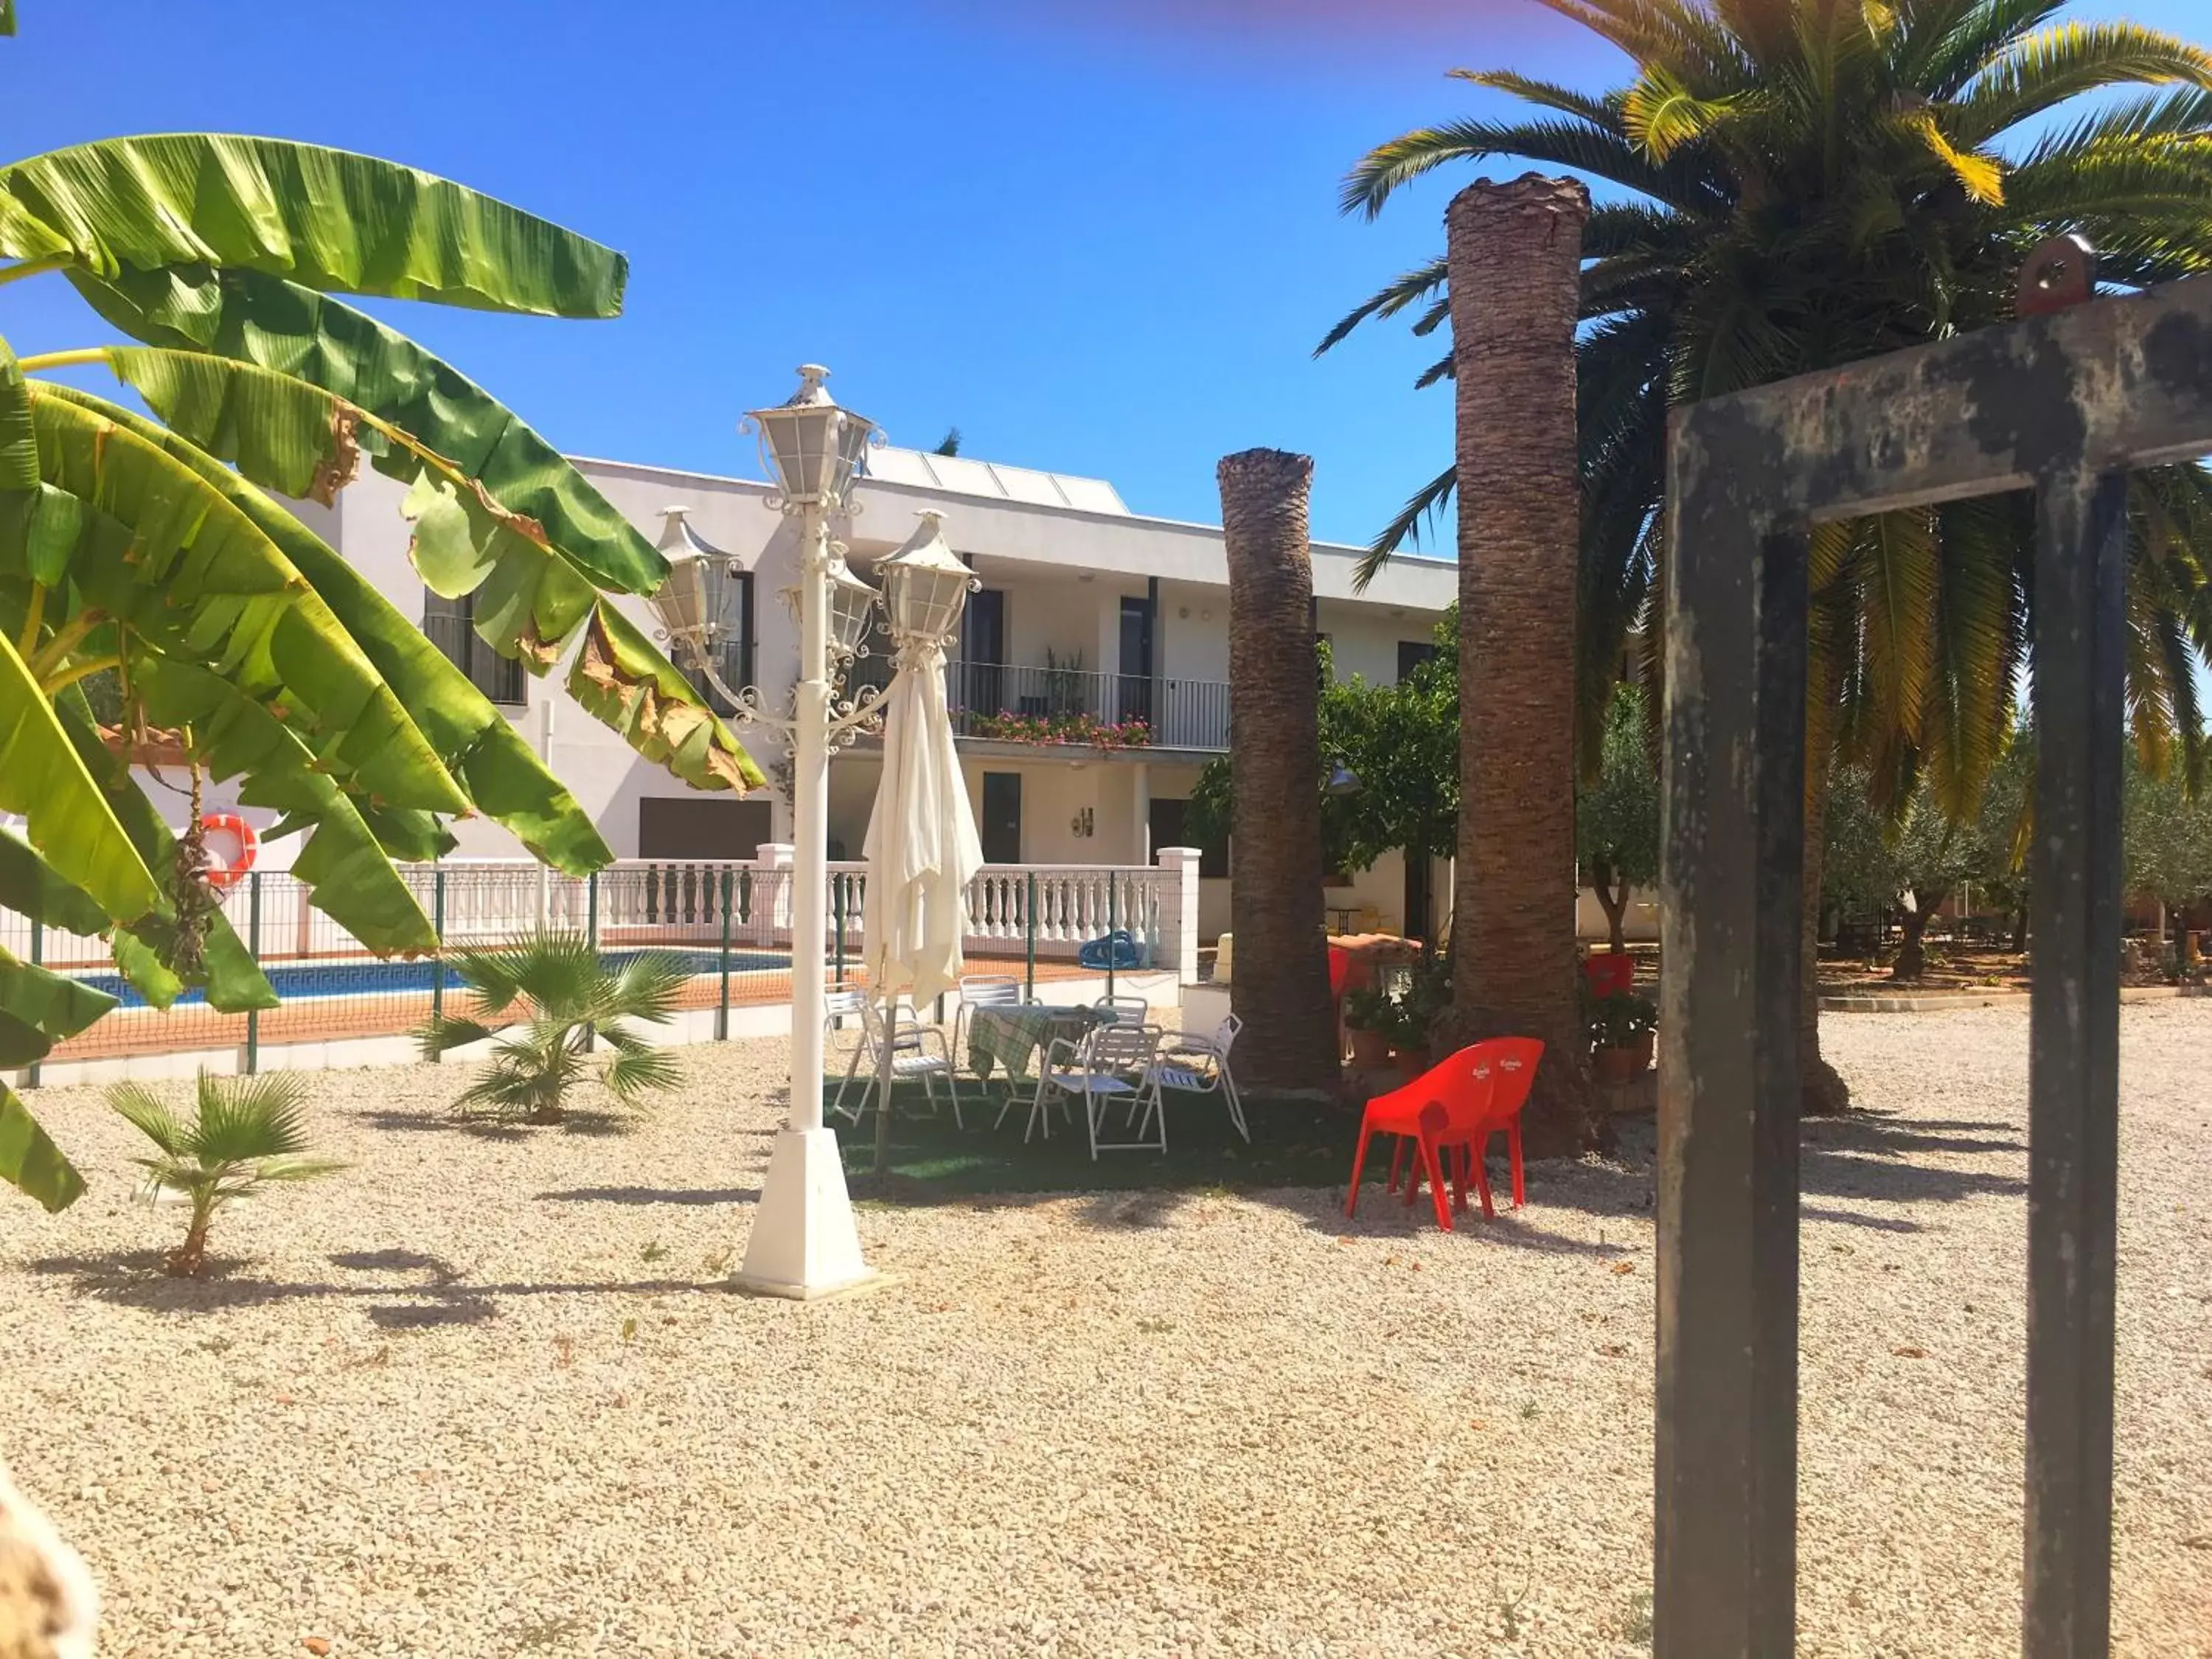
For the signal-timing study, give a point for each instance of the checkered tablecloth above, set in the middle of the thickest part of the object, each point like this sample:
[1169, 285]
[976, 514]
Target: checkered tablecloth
[1008, 1035]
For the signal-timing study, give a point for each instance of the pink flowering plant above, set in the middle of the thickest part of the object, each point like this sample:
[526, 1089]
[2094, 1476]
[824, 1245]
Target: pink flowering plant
[1072, 726]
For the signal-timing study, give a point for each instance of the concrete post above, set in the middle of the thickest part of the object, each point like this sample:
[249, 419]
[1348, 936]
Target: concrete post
[1179, 913]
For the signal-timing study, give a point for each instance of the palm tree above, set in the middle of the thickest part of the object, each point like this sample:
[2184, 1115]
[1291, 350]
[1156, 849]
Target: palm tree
[1514, 257]
[570, 998]
[244, 1133]
[1280, 985]
[1798, 185]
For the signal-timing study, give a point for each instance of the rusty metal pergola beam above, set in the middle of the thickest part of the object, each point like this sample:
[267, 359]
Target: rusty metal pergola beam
[2066, 404]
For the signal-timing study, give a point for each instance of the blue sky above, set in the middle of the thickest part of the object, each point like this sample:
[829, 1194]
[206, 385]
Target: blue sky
[1100, 238]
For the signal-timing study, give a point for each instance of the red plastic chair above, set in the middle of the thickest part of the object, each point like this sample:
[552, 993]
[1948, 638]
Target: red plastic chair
[1456, 1106]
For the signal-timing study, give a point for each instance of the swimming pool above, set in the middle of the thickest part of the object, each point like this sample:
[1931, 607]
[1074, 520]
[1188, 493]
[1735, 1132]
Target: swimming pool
[300, 981]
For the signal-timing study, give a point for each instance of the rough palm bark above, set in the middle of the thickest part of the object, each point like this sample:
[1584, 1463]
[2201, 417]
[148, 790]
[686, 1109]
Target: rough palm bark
[1280, 986]
[1514, 253]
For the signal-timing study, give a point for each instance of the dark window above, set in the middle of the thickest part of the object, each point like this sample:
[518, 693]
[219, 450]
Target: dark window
[1001, 829]
[1412, 654]
[700, 827]
[982, 677]
[1134, 699]
[1167, 819]
[734, 657]
[450, 624]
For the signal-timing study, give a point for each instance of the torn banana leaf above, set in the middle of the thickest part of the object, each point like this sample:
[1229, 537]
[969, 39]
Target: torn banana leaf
[503, 775]
[328, 218]
[35, 891]
[619, 678]
[248, 318]
[174, 558]
[349, 875]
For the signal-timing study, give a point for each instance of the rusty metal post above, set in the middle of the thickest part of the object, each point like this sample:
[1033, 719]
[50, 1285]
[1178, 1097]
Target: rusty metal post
[2074, 895]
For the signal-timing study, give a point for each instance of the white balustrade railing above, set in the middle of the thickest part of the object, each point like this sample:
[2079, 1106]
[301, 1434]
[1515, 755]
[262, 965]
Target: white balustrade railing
[639, 902]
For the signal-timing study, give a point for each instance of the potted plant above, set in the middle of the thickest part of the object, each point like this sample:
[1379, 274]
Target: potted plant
[1426, 995]
[1369, 1015]
[1622, 1031]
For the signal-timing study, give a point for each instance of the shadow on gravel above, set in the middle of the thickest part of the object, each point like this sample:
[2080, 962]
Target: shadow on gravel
[475, 1128]
[651, 1196]
[134, 1278]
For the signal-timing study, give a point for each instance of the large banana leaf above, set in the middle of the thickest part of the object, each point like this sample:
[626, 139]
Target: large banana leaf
[327, 217]
[39, 1008]
[265, 320]
[30, 1160]
[69, 819]
[35, 889]
[178, 562]
[530, 600]
[349, 875]
[504, 776]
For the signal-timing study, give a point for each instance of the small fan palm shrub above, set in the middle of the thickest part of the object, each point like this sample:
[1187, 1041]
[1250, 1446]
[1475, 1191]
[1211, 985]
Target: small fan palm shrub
[244, 1133]
[566, 995]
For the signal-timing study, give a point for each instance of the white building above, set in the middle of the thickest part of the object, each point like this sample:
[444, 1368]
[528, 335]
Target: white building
[1089, 616]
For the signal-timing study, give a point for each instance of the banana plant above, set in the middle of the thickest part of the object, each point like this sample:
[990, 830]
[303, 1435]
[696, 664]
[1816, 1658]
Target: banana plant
[160, 553]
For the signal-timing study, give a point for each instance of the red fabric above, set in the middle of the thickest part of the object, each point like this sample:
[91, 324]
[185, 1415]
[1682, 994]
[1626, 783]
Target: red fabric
[1457, 1105]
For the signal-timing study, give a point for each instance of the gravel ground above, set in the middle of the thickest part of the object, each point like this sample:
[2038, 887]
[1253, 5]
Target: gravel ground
[482, 1395]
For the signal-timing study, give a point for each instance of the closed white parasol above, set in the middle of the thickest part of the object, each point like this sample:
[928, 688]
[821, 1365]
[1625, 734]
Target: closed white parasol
[922, 849]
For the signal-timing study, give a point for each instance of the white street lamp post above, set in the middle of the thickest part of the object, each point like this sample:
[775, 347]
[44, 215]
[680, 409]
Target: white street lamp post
[803, 1243]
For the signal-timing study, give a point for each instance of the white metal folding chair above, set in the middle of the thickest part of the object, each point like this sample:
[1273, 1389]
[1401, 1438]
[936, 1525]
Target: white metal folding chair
[981, 991]
[1200, 1066]
[1127, 1011]
[1112, 1062]
[911, 1042]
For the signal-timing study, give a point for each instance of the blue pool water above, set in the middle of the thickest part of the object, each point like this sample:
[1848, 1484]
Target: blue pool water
[353, 979]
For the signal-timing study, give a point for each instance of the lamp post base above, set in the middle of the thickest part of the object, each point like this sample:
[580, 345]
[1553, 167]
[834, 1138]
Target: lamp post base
[803, 1244]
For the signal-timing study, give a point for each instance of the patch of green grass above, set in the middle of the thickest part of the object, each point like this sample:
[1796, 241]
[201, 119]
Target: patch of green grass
[1636, 1623]
[1294, 1144]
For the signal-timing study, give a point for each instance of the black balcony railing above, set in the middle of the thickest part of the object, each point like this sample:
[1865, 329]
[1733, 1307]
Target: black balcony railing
[1007, 703]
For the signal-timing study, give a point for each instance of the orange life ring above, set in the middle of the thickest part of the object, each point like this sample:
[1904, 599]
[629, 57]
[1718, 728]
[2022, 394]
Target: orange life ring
[229, 875]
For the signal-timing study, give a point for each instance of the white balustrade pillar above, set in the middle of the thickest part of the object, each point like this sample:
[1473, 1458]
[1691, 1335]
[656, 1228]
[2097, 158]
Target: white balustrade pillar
[1178, 941]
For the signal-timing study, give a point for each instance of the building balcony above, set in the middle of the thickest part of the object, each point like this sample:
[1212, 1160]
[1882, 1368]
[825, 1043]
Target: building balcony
[1051, 708]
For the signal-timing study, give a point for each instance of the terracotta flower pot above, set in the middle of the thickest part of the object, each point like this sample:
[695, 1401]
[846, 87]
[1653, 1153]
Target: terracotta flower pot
[1369, 1047]
[1618, 1066]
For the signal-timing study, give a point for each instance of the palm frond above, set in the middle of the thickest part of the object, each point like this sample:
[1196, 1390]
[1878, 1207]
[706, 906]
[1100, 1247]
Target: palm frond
[1598, 112]
[244, 1119]
[1660, 114]
[1410, 288]
[1940, 58]
[1573, 145]
[137, 1106]
[297, 1169]
[2064, 61]
[649, 986]
[1426, 507]
[630, 1075]
[2131, 121]
[443, 1033]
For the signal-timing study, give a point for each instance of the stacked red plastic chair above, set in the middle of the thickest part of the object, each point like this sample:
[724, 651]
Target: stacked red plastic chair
[1455, 1107]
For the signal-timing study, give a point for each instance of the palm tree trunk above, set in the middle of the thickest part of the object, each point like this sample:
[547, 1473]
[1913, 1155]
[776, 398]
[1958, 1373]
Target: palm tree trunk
[1515, 257]
[189, 1257]
[1280, 985]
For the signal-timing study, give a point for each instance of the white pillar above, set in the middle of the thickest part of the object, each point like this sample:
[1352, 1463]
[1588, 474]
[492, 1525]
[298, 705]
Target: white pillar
[1179, 911]
[804, 1242]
